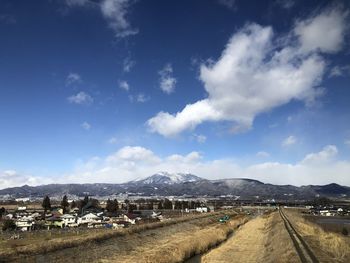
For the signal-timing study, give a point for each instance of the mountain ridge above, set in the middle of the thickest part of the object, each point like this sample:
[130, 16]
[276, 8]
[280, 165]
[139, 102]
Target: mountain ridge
[180, 184]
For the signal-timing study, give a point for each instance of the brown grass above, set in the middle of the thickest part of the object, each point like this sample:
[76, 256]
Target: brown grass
[94, 236]
[263, 239]
[326, 245]
[184, 245]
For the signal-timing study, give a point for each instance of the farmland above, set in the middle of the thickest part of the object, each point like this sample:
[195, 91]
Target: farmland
[250, 234]
[137, 238]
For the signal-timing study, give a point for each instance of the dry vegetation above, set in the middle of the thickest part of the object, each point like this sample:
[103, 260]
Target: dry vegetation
[184, 244]
[263, 239]
[328, 246]
[335, 227]
[62, 243]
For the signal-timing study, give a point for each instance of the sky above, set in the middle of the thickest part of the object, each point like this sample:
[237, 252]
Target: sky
[114, 90]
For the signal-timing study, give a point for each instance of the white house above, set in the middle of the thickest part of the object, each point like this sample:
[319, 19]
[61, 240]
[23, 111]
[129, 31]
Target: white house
[25, 199]
[25, 223]
[130, 218]
[69, 220]
[202, 209]
[326, 213]
[89, 218]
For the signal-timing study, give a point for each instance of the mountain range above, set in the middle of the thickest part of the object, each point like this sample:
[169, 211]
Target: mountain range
[179, 184]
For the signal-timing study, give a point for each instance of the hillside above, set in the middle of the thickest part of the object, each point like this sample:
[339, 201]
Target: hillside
[166, 184]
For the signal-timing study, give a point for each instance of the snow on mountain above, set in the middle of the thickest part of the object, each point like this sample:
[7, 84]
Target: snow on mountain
[169, 178]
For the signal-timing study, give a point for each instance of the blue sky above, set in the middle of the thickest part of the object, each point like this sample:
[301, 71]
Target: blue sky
[113, 90]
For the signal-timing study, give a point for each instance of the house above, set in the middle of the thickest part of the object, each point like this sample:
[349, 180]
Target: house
[25, 199]
[158, 216]
[326, 213]
[89, 218]
[130, 218]
[53, 222]
[202, 209]
[25, 223]
[57, 211]
[69, 220]
[21, 208]
[36, 215]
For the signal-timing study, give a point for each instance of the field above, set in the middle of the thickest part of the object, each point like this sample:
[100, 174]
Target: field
[327, 245]
[261, 236]
[110, 244]
[263, 239]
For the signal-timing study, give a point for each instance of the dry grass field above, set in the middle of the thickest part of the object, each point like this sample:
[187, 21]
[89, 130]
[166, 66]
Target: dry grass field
[328, 246]
[263, 239]
[184, 244]
[105, 244]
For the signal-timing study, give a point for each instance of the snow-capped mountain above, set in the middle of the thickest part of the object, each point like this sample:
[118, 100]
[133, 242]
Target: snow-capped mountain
[179, 184]
[169, 178]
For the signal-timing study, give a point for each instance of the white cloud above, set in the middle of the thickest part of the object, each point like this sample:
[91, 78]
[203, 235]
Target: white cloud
[256, 74]
[86, 126]
[324, 32]
[81, 98]
[115, 12]
[167, 81]
[192, 115]
[124, 85]
[189, 158]
[290, 140]
[134, 154]
[322, 157]
[252, 76]
[230, 4]
[73, 78]
[286, 4]
[339, 71]
[142, 98]
[200, 138]
[11, 178]
[131, 162]
[128, 64]
[263, 154]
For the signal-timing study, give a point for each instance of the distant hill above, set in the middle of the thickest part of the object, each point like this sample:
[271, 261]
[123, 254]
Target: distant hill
[178, 184]
[168, 178]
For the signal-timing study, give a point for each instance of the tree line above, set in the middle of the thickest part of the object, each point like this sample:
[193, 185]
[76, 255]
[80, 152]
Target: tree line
[114, 206]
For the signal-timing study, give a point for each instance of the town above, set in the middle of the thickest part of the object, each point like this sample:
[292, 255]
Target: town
[23, 214]
[92, 213]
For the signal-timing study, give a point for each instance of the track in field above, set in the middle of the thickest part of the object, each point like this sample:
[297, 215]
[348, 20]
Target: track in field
[305, 253]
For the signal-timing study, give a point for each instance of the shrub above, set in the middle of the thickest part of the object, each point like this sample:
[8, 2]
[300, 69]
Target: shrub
[345, 232]
[8, 224]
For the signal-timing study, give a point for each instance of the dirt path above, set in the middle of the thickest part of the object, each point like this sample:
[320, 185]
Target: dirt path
[327, 246]
[263, 239]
